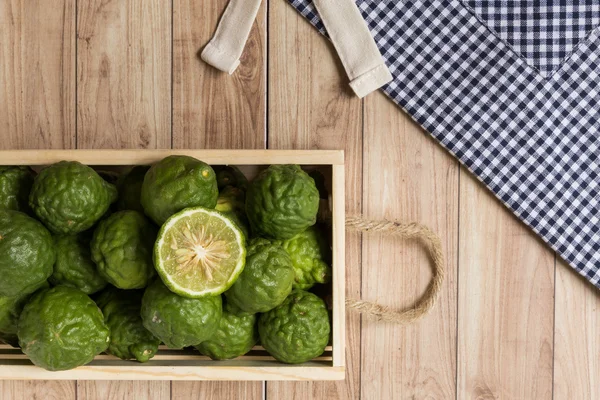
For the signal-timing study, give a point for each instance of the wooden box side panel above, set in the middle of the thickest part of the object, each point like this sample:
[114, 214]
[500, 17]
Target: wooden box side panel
[339, 260]
[134, 157]
[248, 371]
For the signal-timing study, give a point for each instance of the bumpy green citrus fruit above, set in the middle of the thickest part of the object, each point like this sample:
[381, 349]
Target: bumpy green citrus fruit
[15, 185]
[229, 175]
[311, 257]
[122, 249]
[10, 309]
[130, 189]
[74, 266]
[128, 337]
[179, 321]
[231, 199]
[26, 253]
[235, 336]
[199, 252]
[69, 197]
[62, 328]
[266, 280]
[231, 202]
[175, 183]
[297, 330]
[282, 202]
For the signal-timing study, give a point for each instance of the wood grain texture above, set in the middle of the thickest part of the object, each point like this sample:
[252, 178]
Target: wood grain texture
[37, 108]
[46, 390]
[576, 345]
[217, 390]
[124, 73]
[407, 178]
[123, 101]
[312, 107]
[505, 304]
[94, 390]
[37, 74]
[212, 109]
[124, 69]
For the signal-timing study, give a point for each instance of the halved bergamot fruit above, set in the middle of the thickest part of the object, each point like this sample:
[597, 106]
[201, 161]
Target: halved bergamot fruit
[199, 252]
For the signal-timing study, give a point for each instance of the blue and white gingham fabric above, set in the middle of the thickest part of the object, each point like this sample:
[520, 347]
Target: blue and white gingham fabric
[543, 32]
[532, 137]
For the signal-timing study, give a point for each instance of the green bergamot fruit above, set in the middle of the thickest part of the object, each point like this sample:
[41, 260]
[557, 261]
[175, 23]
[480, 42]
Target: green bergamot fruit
[62, 328]
[128, 337]
[69, 197]
[175, 183]
[297, 330]
[281, 202]
[266, 279]
[179, 321]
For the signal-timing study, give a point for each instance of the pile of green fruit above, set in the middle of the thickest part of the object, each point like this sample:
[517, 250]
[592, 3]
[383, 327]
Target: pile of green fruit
[179, 253]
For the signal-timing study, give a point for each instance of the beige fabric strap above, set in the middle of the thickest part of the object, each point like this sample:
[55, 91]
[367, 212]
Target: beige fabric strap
[354, 44]
[225, 49]
[345, 26]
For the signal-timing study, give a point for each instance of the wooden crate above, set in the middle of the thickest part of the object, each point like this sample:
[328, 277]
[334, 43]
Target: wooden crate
[183, 364]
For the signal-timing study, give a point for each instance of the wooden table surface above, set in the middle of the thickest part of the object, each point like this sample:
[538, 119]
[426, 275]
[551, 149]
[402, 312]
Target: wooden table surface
[513, 321]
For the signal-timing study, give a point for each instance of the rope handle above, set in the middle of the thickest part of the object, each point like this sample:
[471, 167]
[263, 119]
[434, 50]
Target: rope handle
[433, 245]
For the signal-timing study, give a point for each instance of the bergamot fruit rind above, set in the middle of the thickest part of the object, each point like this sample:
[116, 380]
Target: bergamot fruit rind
[26, 253]
[281, 202]
[10, 310]
[234, 337]
[62, 328]
[122, 249]
[74, 266]
[179, 321]
[129, 339]
[231, 202]
[266, 279]
[311, 257]
[15, 186]
[297, 330]
[69, 197]
[176, 183]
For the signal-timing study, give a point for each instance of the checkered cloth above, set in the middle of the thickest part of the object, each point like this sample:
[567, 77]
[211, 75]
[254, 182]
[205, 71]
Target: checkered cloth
[534, 140]
[544, 32]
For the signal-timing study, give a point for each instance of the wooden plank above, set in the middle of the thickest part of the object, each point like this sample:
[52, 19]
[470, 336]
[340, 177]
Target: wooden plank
[128, 157]
[47, 390]
[577, 328]
[156, 390]
[123, 101]
[212, 109]
[505, 304]
[37, 74]
[37, 108]
[408, 177]
[312, 107]
[216, 390]
[338, 266]
[124, 74]
[109, 377]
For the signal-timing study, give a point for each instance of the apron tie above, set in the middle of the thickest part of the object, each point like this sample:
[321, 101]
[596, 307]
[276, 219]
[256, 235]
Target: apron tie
[346, 28]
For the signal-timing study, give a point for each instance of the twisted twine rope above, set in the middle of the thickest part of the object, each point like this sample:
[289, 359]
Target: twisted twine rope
[405, 231]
